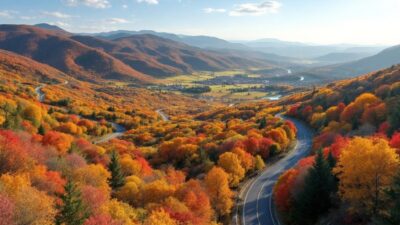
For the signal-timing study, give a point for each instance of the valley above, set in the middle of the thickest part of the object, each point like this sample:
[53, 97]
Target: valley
[141, 127]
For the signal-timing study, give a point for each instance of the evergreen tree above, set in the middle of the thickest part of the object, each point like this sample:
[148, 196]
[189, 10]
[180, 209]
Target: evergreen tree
[315, 198]
[394, 114]
[331, 160]
[72, 211]
[41, 130]
[391, 215]
[263, 123]
[117, 178]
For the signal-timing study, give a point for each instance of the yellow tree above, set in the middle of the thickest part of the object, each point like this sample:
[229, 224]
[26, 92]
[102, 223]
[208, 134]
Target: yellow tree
[231, 164]
[217, 184]
[159, 217]
[365, 168]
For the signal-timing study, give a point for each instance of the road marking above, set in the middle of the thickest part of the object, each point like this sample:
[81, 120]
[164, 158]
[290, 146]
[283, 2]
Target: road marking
[258, 199]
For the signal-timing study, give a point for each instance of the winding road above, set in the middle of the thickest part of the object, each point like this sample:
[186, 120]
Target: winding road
[258, 207]
[119, 129]
[163, 116]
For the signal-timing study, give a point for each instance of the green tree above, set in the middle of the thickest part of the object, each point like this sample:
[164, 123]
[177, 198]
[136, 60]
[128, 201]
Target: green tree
[315, 198]
[391, 213]
[263, 123]
[394, 114]
[72, 211]
[117, 179]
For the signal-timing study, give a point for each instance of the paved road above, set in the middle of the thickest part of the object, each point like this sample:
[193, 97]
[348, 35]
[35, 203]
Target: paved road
[258, 207]
[162, 114]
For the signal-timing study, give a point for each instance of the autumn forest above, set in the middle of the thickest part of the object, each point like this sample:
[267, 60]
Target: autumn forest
[149, 129]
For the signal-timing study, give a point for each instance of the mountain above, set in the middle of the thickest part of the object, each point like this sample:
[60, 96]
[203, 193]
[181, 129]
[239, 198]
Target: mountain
[340, 57]
[47, 26]
[384, 59]
[66, 54]
[206, 42]
[160, 57]
[14, 66]
[308, 51]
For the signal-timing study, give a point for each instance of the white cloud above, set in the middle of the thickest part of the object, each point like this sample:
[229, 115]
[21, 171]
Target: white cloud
[151, 2]
[7, 14]
[214, 10]
[117, 21]
[57, 15]
[100, 4]
[256, 9]
[125, 6]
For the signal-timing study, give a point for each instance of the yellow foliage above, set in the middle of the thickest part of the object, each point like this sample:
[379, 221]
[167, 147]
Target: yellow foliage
[365, 168]
[160, 217]
[231, 164]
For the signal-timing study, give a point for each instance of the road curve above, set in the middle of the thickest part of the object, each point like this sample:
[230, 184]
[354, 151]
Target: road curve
[119, 129]
[258, 207]
[163, 116]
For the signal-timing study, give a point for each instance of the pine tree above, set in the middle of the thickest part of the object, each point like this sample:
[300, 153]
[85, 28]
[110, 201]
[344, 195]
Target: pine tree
[315, 198]
[263, 123]
[72, 211]
[392, 211]
[41, 130]
[117, 178]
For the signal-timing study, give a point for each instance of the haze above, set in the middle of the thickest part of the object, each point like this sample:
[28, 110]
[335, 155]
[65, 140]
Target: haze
[311, 21]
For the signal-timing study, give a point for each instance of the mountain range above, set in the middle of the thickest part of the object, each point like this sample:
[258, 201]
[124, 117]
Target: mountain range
[143, 56]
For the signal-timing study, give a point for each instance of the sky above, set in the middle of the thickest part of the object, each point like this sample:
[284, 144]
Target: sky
[310, 21]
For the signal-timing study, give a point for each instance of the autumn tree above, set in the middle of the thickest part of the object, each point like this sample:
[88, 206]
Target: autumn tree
[160, 217]
[117, 179]
[259, 163]
[365, 168]
[217, 184]
[72, 211]
[231, 164]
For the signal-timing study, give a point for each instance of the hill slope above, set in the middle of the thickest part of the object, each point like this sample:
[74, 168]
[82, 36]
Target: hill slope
[65, 54]
[158, 56]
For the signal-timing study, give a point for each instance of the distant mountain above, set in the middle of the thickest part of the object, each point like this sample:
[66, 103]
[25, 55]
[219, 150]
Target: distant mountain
[307, 51]
[207, 42]
[160, 57]
[384, 59]
[60, 51]
[340, 57]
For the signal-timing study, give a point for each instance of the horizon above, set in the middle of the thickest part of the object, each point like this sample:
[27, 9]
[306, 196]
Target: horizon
[320, 23]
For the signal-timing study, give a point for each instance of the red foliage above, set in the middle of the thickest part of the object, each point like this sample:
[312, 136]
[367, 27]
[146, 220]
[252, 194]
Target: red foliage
[283, 190]
[13, 152]
[94, 198]
[395, 141]
[102, 220]
[6, 211]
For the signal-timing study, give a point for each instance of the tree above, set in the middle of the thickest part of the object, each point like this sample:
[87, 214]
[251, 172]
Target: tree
[263, 123]
[259, 163]
[217, 184]
[117, 178]
[7, 208]
[391, 215]
[231, 164]
[160, 217]
[394, 114]
[365, 168]
[315, 197]
[72, 211]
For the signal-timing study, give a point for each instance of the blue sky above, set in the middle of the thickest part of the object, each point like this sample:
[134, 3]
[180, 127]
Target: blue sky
[313, 21]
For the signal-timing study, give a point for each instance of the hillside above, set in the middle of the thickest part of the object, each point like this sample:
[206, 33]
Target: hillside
[159, 57]
[358, 133]
[17, 67]
[65, 54]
